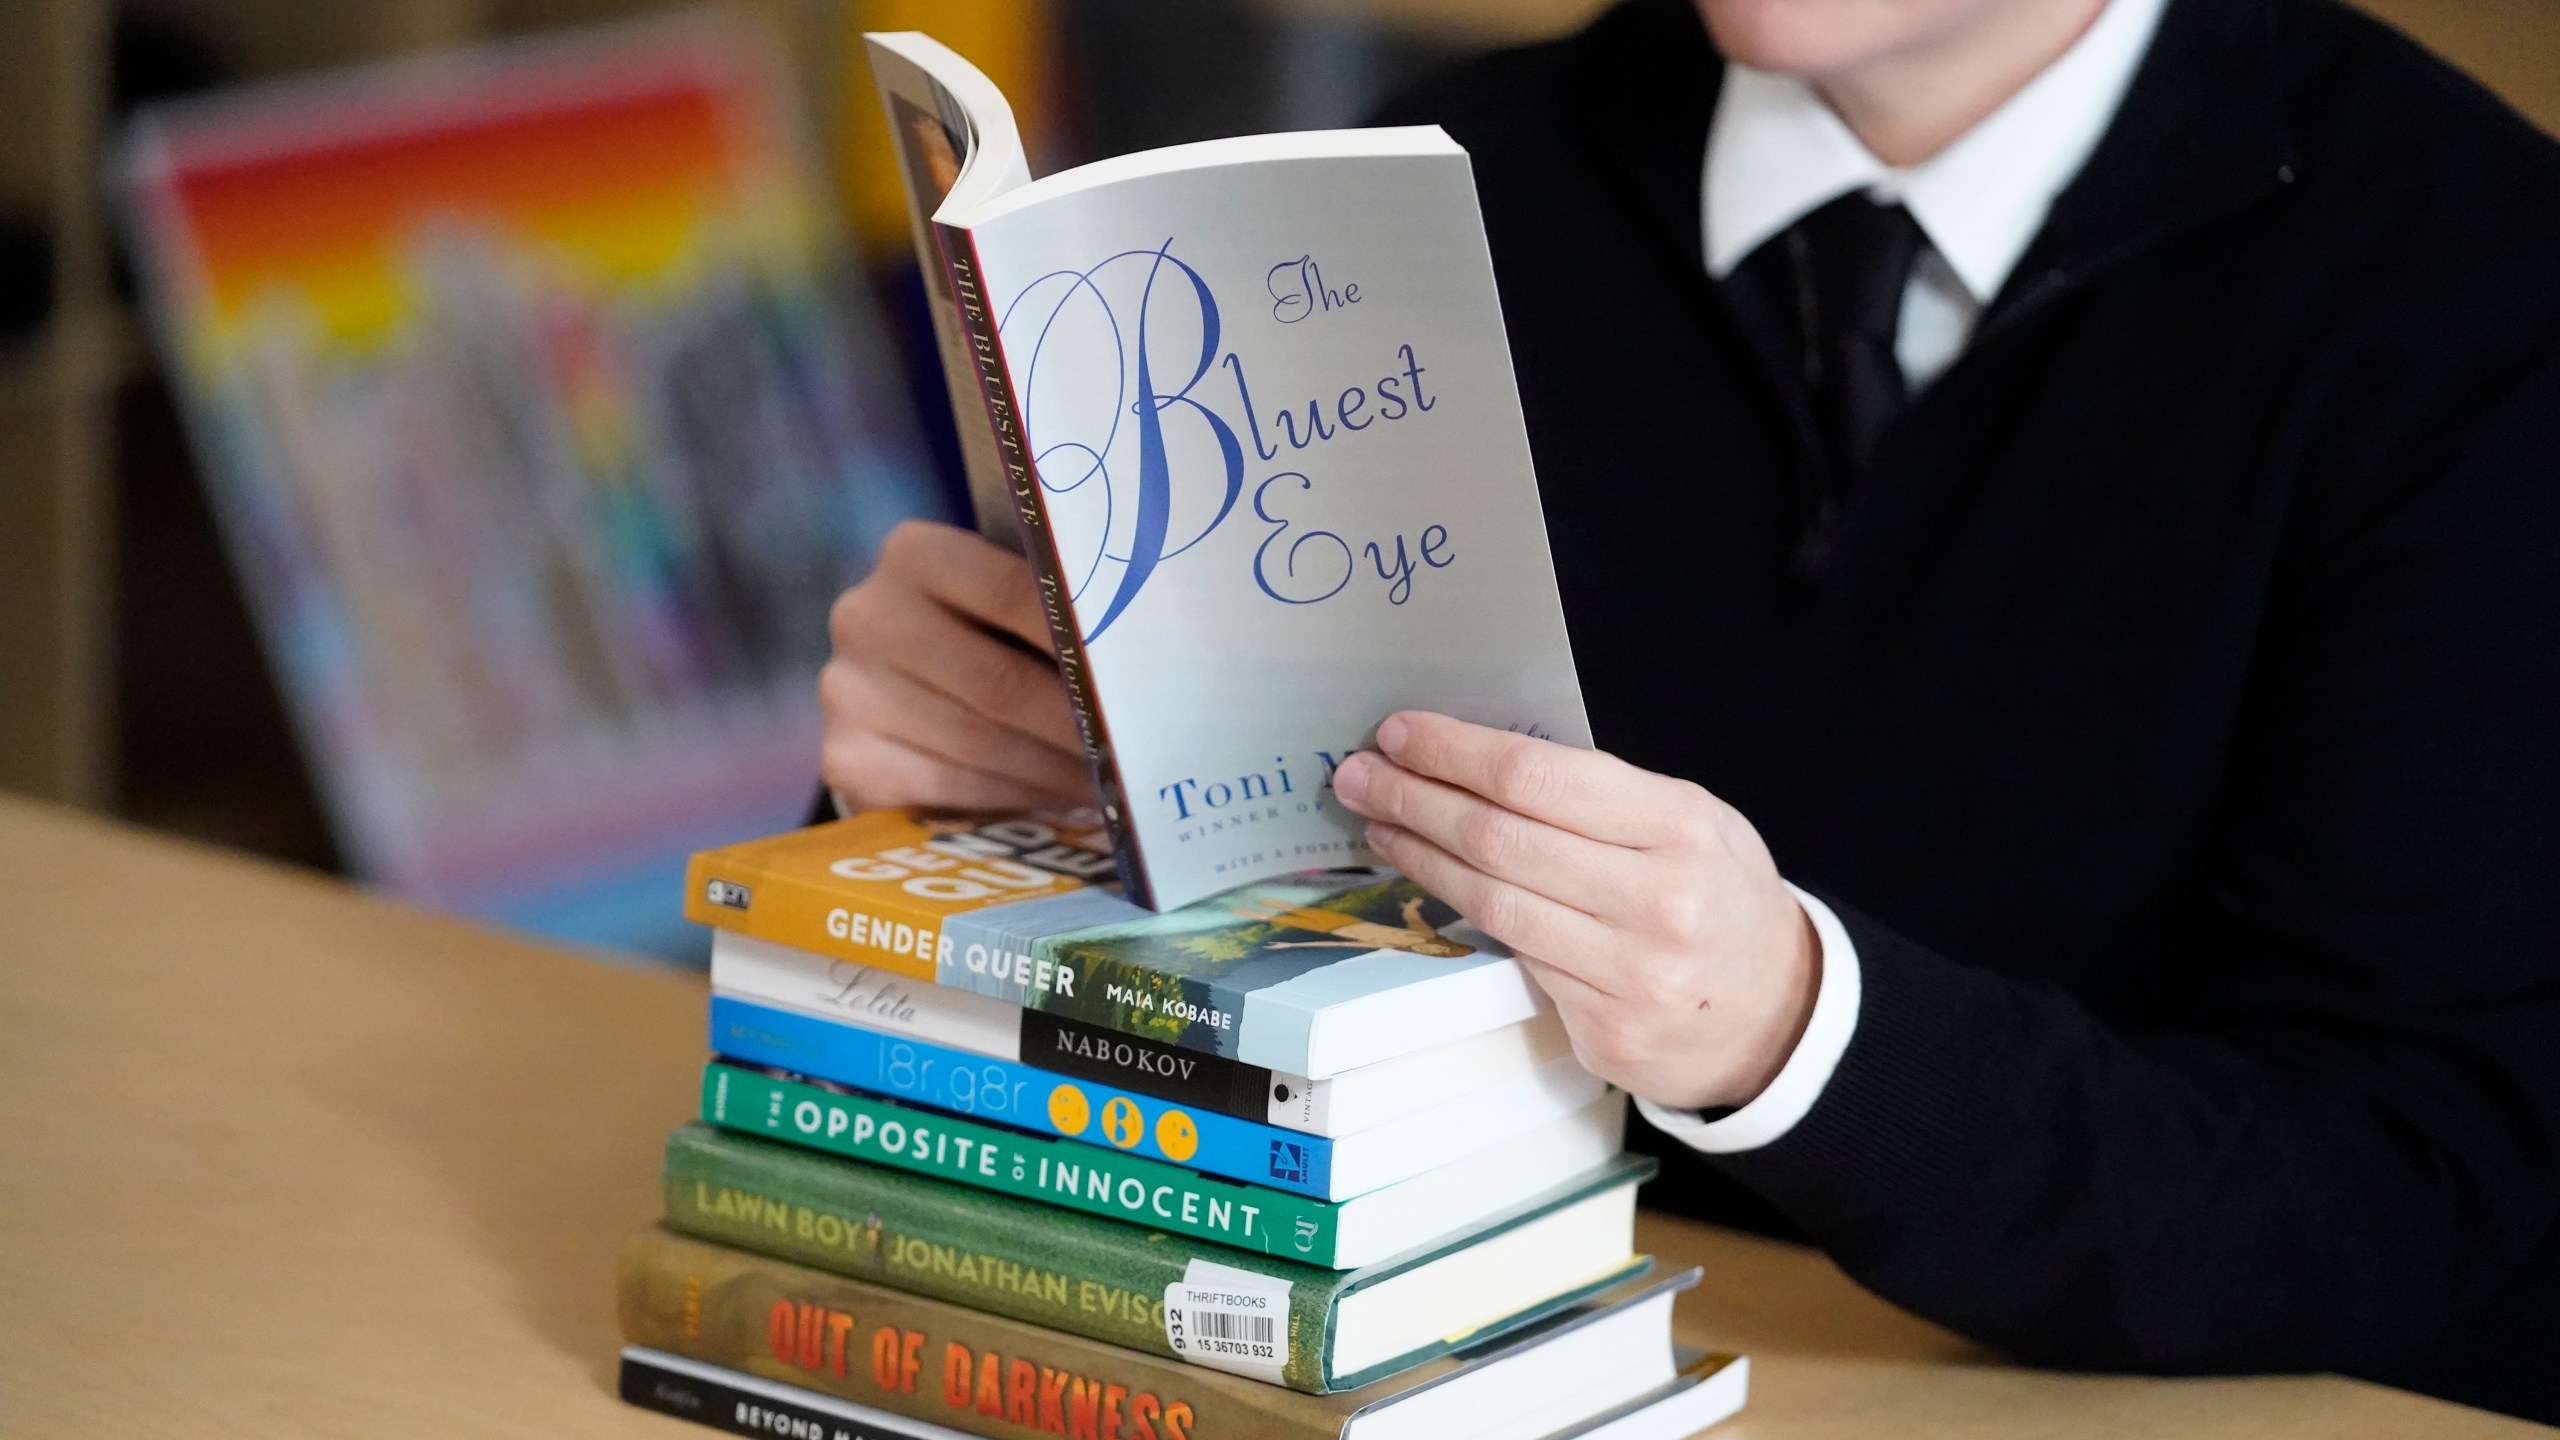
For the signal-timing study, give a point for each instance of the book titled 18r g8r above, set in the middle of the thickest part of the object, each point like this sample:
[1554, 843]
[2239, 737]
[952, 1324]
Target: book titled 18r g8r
[1248, 406]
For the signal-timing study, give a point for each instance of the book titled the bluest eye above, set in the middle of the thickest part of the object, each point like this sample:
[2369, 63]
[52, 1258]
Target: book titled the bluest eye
[1249, 408]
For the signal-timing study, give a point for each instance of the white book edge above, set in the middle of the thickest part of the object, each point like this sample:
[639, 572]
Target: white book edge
[1415, 1017]
[1602, 1365]
[763, 972]
[1374, 1159]
[1357, 1101]
[1412, 1213]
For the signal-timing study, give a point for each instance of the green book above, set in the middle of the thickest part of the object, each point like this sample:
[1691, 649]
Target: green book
[976, 1373]
[1410, 1215]
[1112, 1281]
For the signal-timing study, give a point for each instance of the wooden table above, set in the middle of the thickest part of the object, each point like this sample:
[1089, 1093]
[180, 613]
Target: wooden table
[285, 1159]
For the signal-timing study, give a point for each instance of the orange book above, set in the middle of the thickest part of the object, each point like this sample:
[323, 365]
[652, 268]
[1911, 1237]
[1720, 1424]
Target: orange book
[880, 888]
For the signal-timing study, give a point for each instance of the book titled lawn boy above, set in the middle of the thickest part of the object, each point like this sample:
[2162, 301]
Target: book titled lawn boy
[1251, 406]
[1311, 974]
[1119, 1282]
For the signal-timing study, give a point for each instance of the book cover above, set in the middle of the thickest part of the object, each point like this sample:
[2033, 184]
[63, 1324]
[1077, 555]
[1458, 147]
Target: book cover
[884, 887]
[540, 425]
[737, 1403]
[1707, 1389]
[1310, 975]
[1254, 409]
[780, 976]
[1348, 1103]
[1055, 1171]
[982, 1087]
[1102, 1279]
[988, 1374]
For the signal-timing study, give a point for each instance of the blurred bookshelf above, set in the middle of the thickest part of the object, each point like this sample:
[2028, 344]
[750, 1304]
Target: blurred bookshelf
[130, 681]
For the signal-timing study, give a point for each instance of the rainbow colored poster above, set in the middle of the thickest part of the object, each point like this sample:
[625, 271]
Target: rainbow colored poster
[543, 433]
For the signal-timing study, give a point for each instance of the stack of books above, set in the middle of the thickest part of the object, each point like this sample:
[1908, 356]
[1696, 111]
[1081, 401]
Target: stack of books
[985, 1149]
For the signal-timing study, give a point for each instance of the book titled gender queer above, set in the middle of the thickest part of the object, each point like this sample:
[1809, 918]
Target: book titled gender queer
[1248, 407]
[1312, 974]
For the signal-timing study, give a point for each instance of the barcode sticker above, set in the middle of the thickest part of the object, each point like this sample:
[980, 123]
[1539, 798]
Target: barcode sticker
[1229, 1319]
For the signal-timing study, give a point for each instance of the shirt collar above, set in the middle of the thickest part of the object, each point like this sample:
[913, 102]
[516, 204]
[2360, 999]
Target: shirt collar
[1776, 153]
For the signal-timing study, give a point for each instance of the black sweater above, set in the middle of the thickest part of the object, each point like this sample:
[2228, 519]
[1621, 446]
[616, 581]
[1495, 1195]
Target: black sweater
[2175, 721]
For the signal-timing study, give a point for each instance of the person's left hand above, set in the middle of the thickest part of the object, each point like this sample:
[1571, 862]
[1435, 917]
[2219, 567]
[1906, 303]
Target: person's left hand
[1647, 908]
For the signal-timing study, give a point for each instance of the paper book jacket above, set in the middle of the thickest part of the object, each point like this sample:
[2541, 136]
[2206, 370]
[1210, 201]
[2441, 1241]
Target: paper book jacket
[986, 1374]
[1007, 908]
[1103, 1279]
[1280, 481]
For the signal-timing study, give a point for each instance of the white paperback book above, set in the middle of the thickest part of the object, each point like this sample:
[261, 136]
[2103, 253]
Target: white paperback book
[1248, 407]
[1469, 1077]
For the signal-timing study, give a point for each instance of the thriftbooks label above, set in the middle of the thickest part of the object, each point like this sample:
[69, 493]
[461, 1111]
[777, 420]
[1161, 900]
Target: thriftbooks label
[1229, 1319]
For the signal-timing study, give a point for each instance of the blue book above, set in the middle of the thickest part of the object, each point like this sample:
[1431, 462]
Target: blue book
[1009, 1093]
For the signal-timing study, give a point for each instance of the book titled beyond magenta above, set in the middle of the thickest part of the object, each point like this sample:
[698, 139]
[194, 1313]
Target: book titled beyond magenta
[1249, 408]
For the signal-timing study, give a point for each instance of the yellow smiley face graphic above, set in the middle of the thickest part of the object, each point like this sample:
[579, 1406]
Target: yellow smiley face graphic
[1122, 1125]
[1069, 1110]
[1177, 1135]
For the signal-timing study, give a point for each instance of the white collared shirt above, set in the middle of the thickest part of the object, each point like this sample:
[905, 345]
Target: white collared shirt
[1775, 154]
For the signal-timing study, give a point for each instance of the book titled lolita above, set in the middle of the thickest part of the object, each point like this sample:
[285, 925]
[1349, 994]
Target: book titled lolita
[1248, 407]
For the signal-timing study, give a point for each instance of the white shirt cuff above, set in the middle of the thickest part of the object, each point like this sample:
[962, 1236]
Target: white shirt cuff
[1775, 1110]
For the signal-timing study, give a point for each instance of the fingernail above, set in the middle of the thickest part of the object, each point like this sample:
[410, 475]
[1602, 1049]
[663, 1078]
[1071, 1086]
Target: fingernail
[1391, 734]
[1351, 777]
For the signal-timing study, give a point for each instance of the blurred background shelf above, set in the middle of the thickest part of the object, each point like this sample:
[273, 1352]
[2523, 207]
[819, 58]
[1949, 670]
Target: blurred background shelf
[131, 680]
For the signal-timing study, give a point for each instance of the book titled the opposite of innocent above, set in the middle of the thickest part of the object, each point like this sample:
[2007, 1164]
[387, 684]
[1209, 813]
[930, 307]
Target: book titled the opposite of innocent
[1248, 407]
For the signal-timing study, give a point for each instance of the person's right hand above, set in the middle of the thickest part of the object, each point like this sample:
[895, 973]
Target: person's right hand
[943, 689]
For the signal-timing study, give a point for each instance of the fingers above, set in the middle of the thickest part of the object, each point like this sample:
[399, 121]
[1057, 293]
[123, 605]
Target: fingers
[856, 699]
[872, 771]
[1573, 995]
[1597, 796]
[1522, 919]
[884, 624]
[971, 575]
[1602, 880]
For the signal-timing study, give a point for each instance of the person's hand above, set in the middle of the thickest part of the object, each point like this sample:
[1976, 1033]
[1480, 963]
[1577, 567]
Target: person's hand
[942, 690]
[1647, 908]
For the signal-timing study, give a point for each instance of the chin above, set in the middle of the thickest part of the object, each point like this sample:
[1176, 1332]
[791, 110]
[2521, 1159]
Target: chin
[1815, 37]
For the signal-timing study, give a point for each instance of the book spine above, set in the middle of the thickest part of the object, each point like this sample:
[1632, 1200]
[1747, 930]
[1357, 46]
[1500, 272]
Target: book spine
[1004, 415]
[1101, 1279]
[737, 1410]
[1168, 1072]
[902, 940]
[979, 1086]
[795, 979]
[895, 894]
[926, 1360]
[1039, 1167]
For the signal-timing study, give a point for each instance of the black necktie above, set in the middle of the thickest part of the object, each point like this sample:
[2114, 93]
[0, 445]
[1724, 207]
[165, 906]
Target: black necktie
[1852, 259]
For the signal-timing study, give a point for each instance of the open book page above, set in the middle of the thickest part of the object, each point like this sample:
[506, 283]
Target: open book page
[954, 135]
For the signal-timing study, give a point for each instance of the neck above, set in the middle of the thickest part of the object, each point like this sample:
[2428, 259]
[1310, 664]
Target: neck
[1909, 103]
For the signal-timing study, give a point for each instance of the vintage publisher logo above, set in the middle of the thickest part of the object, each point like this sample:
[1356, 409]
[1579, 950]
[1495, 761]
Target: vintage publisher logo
[728, 894]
